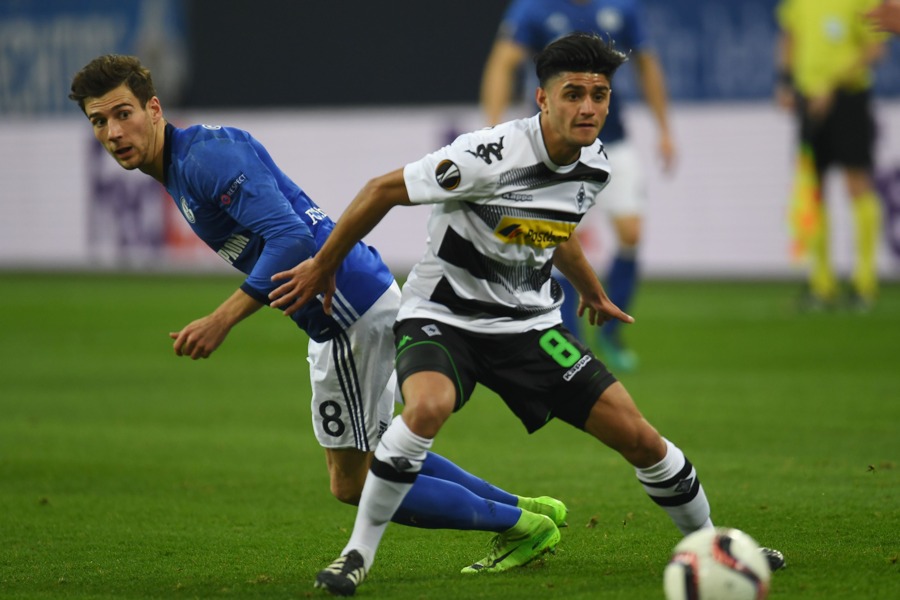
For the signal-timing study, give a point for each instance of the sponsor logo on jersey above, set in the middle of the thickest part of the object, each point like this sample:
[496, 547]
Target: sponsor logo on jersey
[486, 151]
[516, 197]
[447, 175]
[233, 247]
[186, 211]
[212, 127]
[315, 215]
[533, 232]
[577, 367]
[226, 197]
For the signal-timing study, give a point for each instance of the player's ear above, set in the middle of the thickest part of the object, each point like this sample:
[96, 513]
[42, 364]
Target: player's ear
[154, 108]
[540, 96]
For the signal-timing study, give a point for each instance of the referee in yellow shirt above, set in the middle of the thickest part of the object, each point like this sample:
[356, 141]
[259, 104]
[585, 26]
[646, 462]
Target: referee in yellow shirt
[826, 52]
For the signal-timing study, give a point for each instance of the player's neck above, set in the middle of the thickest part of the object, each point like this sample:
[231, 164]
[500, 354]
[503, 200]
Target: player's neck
[155, 166]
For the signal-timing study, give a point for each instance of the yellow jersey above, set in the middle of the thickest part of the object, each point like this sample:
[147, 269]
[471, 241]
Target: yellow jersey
[828, 37]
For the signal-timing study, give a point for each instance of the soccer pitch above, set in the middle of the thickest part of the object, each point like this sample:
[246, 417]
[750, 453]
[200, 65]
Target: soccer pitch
[127, 472]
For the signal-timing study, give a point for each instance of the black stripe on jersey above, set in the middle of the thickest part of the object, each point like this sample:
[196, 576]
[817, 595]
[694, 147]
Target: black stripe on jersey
[460, 252]
[443, 294]
[491, 215]
[345, 367]
[540, 175]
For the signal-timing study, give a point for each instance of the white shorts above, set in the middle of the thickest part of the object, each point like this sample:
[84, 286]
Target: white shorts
[354, 385]
[626, 193]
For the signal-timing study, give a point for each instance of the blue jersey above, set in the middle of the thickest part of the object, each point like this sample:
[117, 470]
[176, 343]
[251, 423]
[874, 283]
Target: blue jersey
[252, 215]
[535, 23]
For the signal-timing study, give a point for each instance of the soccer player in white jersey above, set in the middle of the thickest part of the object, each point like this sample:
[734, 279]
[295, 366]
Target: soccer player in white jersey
[481, 306]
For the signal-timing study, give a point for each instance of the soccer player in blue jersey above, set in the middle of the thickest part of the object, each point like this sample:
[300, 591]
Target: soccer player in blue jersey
[248, 211]
[526, 28]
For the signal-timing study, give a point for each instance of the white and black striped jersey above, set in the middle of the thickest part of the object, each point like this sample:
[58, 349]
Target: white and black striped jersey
[500, 208]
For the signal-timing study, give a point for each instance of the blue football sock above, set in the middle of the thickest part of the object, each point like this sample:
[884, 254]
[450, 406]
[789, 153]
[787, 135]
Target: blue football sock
[569, 306]
[438, 504]
[620, 287]
[439, 467]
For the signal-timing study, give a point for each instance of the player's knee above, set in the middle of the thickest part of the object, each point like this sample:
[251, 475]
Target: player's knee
[645, 448]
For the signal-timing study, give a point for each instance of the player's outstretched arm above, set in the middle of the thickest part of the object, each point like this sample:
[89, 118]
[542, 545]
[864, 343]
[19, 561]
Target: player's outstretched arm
[570, 260]
[316, 275]
[653, 85]
[200, 338]
[498, 78]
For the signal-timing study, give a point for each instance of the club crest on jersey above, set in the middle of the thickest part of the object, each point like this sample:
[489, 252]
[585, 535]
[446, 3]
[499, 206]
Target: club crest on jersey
[447, 175]
[486, 151]
[186, 211]
[533, 232]
[579, 197]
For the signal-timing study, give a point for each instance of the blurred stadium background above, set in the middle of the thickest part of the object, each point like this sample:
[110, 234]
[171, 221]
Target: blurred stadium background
[340, 92]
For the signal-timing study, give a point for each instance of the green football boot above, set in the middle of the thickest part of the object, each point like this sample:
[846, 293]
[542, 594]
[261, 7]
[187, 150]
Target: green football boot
[545, 505]
[529, 538]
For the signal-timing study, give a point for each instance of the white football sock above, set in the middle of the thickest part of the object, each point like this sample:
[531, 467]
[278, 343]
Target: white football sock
[673, 484]
[398, 460]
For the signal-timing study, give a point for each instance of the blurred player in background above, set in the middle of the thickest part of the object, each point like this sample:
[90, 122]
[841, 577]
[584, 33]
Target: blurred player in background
[527, 27]
[826, 53]
[481, 307]
[886, 16]
[251, 214]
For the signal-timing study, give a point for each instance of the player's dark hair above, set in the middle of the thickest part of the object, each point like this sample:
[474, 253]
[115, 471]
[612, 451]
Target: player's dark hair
[106, 73]
[578, 53]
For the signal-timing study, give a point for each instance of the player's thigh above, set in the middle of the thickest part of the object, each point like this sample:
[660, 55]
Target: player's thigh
[852, 131]
[353, 382]
[435, 362]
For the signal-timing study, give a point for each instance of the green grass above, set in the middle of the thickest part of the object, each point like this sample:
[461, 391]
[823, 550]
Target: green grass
[126, 472]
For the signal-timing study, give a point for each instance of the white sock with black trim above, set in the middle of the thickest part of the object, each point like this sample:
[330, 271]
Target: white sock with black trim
[673, 484]
[397, 462]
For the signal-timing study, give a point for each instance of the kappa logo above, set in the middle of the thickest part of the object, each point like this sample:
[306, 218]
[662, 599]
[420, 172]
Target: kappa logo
[447, 175]
[568, 375]
[186, 211]
[431, 330]
[516, 197]
[486, 151]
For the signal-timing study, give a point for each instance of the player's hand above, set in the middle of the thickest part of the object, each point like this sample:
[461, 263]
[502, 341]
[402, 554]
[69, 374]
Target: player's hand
[667, 153]
[304, 282]
[601, 310]
[200, 338]
[818, 107]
